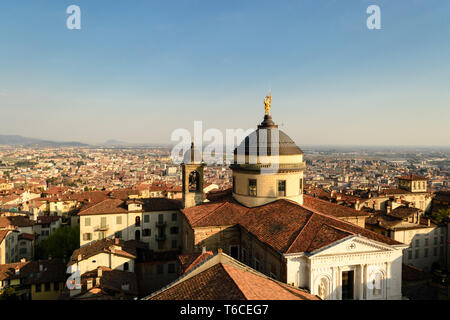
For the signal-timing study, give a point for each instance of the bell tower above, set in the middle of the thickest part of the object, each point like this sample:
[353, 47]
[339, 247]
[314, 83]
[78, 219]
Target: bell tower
[192, 172]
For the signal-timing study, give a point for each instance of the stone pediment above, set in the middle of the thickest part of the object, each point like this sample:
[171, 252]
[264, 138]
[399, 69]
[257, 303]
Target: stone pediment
[352, 245]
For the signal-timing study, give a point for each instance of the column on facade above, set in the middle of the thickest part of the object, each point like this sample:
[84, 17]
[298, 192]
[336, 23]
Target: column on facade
[388, 278]
[362, 281]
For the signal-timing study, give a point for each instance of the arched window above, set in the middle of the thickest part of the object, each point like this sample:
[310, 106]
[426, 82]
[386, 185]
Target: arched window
[194, 181]
[138, 221]
[137, 235]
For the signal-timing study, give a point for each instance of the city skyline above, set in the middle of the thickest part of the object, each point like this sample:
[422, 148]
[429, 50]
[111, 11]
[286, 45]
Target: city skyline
[136, 73]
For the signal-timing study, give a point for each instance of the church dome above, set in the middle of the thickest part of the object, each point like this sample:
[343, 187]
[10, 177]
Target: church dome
[251, 145]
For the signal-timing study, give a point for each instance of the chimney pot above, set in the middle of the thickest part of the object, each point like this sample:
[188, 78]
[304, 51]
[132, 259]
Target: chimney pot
[116, 240]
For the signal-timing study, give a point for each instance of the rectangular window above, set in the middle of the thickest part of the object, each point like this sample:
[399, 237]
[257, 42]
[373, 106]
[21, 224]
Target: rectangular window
[410, 254]
[171, 268]
[244, 255]
[87, 236]
[301, 185]
[87, 222]
[160, 217]
[146, 233]
[174, 230]
[118, 220]
[252, 187]
[417, 254]
[103, 222]
[435, 241]
[56, 286]
[160, 268]
[38, 287]
[234, 252]
[425, 254]
[47, 286]
[435, 251]
[160, 245]
[174, 217]
[282, 188]
[146, 218]
[417, 242]
[426, 242]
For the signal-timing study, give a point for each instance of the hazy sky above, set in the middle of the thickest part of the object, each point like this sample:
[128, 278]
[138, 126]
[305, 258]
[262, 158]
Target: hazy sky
[137, 70]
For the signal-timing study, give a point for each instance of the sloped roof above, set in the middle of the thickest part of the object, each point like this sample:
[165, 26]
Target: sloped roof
[128, 249]
[332, 209]
[228, 279]
[284, 225]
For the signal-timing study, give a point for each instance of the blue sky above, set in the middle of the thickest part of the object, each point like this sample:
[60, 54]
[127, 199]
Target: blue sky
[137, 70]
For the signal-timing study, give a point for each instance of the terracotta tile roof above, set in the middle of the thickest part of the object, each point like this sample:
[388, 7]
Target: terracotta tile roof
[128, 249]
[403, 212]
[331, 209]
[15, 221]
[411, 177]
[26, 236]
[3, 234]
[107, 206]
[190, 261]
[111, 282]
[115, 206]
[228, 282]
[393, 191]
[30, 271]
[284, 225]
[47, 219]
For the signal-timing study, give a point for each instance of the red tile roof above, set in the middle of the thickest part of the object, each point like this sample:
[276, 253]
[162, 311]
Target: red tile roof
[190, 261]
[284, 225]
[411, 177]
[226, 282]
[107, 206]
[331, 209]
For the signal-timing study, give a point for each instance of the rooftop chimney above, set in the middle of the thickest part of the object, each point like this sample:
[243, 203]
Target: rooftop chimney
[23, 260]
[17, 269]
[116, 240]
[89, 284]
[219, 250]
[99, 272]
[203, 249]
[79, 257]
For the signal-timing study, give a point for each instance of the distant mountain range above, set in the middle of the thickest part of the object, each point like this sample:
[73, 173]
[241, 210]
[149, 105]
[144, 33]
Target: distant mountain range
[16, 140]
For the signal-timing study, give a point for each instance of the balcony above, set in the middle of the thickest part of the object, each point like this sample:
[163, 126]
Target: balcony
[160, 237]
[102, 227]
[160, 224]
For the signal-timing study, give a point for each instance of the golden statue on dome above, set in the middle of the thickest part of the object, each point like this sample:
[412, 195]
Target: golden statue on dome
[267, 102]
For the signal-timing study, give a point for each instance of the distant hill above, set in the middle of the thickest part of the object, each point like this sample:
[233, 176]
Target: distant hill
[16, 140]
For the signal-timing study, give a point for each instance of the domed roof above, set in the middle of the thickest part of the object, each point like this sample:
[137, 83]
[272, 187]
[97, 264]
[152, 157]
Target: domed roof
[193, 155]
[267, 131]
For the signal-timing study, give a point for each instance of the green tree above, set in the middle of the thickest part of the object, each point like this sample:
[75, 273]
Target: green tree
[60, 244]
[441, 215]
